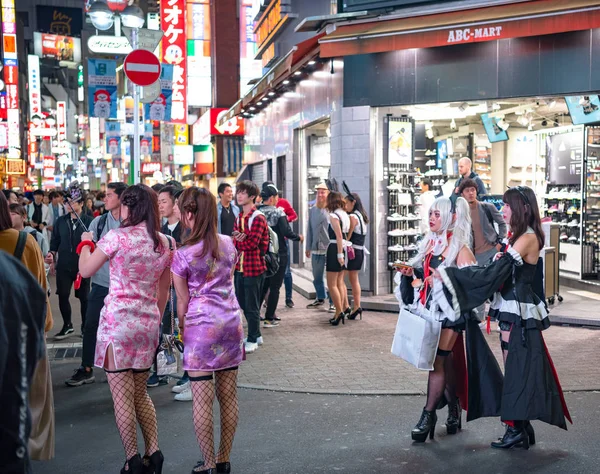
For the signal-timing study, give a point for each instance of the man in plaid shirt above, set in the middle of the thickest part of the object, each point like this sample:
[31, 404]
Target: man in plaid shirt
[252, 242]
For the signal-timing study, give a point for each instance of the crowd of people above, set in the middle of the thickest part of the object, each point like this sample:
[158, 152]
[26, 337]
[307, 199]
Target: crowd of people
[143, 258]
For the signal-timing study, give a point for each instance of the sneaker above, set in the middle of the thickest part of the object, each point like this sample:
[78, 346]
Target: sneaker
[181, 388]
[395, 217]
[270, 323]
[331, 309]
[259, 340]
[65, 332]
[185, 395]
[80, 377]
[251, 347]
[396, 248]
[289, 303]
[154, 381]
[564, 236]
[315, 304]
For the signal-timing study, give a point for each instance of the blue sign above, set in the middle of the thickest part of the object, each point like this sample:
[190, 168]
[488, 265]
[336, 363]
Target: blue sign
[160, 109]
[102, 88]
[493, 130]
[584, 109]
[113, 138]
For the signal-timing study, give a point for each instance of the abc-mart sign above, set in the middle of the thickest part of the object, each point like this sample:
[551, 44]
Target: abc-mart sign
[118, 45]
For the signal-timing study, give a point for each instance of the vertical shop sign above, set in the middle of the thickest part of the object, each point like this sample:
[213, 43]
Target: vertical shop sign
[102, 88]
[174, 51]
[61, 121]
[160, 109]
[35, 92]
[94, 133]
[400, 142]
[181, 135]
[9, 43]
[113, 138]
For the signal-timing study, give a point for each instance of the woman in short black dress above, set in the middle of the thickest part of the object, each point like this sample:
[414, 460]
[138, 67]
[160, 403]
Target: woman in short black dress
[357, 236]
[339, 225]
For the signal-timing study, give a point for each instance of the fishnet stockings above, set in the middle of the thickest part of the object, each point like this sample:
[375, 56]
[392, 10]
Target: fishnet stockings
[436, 383]
[226, 384]
[122, 388]
[146, 414]
[203, 392]
[133, 405]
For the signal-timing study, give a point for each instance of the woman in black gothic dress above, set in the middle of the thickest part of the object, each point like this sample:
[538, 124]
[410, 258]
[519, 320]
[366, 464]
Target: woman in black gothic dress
[531, 388]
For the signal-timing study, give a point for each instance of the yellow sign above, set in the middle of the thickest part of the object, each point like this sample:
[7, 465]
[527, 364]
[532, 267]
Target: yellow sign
[271, 22]
[185, 170]
[2, 165]
[181, 134]
[15, 166]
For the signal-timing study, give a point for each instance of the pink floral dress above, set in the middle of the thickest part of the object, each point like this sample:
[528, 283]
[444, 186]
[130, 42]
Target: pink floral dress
[130, 319]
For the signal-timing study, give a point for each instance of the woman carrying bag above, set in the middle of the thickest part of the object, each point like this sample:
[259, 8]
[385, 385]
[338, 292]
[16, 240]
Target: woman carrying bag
[447, 244]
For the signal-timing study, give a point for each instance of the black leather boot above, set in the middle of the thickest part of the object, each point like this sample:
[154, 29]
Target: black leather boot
[514, 436]
[425, 426]
[454, 421]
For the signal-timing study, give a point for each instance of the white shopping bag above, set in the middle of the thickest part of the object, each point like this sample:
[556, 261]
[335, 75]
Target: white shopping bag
[416, 339]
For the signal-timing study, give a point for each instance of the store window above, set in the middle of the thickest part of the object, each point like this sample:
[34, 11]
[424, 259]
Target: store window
[318, 156]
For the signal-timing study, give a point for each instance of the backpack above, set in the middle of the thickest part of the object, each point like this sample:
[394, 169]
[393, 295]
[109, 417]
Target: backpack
[101, 224]
[20, 247]
[272, 255]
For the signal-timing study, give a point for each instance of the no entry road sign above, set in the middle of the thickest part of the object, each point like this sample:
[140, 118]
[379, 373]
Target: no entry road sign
[142, 67]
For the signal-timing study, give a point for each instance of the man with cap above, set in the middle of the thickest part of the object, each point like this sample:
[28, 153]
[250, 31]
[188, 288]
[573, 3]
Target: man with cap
[317, 241]
[66, 236]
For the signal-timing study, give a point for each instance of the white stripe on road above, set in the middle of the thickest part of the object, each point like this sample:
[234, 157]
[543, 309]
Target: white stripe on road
[138, 67]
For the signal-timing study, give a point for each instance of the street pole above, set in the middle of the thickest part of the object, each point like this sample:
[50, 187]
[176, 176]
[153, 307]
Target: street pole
[136, 120]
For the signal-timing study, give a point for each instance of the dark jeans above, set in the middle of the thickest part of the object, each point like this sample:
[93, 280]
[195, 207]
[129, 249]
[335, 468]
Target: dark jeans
[273, 286]
[288, 274]
[92, 319]
[249, 292]
[64, 282]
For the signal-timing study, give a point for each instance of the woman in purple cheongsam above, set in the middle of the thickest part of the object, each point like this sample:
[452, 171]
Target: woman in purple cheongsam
[210, 320]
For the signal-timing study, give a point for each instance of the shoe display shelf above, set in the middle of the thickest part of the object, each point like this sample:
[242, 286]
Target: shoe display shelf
[591, 206]
[482, 165]
[563, 205]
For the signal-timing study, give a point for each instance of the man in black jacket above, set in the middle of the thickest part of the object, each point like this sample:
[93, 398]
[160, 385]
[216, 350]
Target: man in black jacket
[277, 220]
[66, 236]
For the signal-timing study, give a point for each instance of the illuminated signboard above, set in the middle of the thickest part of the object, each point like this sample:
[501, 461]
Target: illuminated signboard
[35, 88]
[61, 48]
[174, 51]
[151, 167]
[15, 166]
[9, 41]
[361, 5]
[61, 120]
[268, 27]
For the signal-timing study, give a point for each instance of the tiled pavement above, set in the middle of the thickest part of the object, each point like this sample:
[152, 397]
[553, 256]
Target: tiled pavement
[306, 354]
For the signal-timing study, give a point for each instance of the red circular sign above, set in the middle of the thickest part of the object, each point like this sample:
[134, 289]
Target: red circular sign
[142, 67]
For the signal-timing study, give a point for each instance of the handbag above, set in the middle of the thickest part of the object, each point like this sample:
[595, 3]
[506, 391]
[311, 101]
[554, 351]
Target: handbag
[167, 355]
[416, 339]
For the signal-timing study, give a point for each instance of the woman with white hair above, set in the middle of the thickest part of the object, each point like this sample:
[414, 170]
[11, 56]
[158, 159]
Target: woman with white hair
[447, 244]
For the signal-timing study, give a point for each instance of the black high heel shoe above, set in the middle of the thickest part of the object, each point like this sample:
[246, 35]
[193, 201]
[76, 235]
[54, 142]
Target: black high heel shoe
[454, 420]
[340, 317]
[223, 468]
[153, 464]
[425, 426]
[514, 436]
[212, 470]
[134, 465]
[530, 433]
[356, 313]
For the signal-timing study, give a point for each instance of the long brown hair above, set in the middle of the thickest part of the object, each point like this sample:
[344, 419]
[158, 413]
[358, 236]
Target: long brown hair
[142, 203]
[524, 213]
[335, 201]
[5, 220]
[203, 206]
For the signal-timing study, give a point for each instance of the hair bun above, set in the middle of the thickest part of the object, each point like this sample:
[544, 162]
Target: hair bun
[130, 200]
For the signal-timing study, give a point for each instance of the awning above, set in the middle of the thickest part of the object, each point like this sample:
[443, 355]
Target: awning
[534, 18]
[284, 68]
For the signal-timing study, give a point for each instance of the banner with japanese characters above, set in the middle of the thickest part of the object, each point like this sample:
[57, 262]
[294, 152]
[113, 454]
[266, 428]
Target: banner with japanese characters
[113, 138]
[174, 51]
[102, 88]
[146, 140]
[160, 108]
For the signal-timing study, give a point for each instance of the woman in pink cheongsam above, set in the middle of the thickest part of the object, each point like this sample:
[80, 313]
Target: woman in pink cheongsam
[128, 333]
[210, 319]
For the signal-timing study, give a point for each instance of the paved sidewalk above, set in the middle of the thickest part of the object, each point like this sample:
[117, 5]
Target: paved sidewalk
[306, 354]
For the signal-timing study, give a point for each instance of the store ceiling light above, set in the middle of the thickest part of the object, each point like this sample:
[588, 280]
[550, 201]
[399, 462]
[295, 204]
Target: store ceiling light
[530, 128]
[544, 123]
[503, 124]
[271, 93]
[453, 124]
[252, 108]
[312, 63]
[496, 106]
[298, 73]
[286, 82]
[429, 133]
[523, 120]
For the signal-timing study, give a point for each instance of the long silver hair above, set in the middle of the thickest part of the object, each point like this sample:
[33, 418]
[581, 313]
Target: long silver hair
[460, 228]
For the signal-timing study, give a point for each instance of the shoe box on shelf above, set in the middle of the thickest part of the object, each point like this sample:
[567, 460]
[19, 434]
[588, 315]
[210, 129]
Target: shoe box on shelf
[403, 217]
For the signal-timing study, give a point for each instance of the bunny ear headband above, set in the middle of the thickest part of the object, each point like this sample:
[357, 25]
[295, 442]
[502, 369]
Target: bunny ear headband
[349, 195]
[332, 185]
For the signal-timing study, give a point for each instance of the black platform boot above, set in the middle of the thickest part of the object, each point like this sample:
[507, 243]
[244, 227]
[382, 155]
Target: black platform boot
[425, 426]
[514, 436]
[454, 421]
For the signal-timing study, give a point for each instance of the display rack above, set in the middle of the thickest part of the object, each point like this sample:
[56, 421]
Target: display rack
[482, 165]
[591, 205]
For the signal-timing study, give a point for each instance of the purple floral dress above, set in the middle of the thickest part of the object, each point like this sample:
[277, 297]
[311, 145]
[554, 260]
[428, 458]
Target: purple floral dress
[130, 319]
[213, 335]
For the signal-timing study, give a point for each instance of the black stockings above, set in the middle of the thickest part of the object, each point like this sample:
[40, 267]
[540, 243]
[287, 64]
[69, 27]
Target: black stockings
[442, 380]
[203, 393]
[133, 405]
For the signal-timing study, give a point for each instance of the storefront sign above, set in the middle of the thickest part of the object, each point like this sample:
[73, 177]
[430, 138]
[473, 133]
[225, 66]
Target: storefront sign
[160, 108]
[3, 135]
[61, 48]
[35, 91]
[102, 88]
[467, 34]
[117, 45]
[151, 167]
[174, 51]
[13, 113]
[15, 166]
[61, 121]
[60, 20]
[11, 75]
[233, 127]
[270, 24]
[181, 135]
[183, 155]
